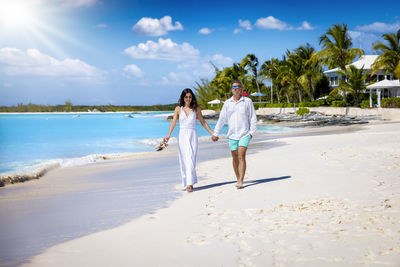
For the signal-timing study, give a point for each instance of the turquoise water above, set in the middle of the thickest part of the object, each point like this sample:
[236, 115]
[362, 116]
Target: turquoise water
[28, 141]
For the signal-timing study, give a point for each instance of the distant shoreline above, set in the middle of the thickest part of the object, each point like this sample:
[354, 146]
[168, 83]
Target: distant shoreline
[86, 112]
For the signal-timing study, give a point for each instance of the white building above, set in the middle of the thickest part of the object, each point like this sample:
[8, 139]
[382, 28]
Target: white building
[366, 61]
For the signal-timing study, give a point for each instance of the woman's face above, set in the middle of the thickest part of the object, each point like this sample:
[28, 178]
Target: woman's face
[188, 99]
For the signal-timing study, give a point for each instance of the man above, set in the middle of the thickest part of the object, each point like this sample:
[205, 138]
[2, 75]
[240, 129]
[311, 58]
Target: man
[238, 111]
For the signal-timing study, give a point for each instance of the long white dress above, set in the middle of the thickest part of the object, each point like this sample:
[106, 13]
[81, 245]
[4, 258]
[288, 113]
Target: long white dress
[187, 145]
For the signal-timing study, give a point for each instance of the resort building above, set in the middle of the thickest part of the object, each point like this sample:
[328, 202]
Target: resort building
[385, 85]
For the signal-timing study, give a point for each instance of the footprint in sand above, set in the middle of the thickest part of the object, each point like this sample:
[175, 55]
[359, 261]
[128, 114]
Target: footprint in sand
[197, 239]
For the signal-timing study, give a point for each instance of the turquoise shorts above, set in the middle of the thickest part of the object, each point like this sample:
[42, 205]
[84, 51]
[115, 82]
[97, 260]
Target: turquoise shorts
[235, 144]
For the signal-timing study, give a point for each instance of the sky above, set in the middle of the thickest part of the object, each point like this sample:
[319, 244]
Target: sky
[100, 52]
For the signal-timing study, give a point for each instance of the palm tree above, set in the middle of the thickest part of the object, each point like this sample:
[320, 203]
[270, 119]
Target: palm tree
[270, 69]
[396, 72]
[389, 60]
[355, 83]
[221, 83]
[294, 73]
[250, 63]
[205, 92]
[225, 77]
[311, 66]
[336, 44]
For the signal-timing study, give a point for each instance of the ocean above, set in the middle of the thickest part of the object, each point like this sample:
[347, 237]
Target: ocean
[31, 142]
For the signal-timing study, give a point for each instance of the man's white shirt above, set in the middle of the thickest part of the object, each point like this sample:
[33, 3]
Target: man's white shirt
[240, 116]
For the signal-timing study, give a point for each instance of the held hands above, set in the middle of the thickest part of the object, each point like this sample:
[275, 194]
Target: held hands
[214, 138]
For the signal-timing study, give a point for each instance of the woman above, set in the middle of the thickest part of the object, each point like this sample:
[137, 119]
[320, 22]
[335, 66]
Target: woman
[186, 112]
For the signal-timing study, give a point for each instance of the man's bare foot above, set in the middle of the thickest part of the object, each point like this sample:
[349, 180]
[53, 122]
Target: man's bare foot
[239, 185]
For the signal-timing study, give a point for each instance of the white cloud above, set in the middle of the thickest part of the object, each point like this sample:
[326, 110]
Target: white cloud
[364, 40]
[236, 31]
[177, 78]
[164, 49]
[134, 70]
[192, 70]
[7, 84]
[101, 26]
[32, 62]
[221, 61]
[205, 31]
[156, 27]
[270, 23]
[202, 68]
[379, 27]
[245, 24]
[305, 26]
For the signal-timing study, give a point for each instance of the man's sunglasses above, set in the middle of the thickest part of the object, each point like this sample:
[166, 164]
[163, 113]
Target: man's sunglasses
[236, 87]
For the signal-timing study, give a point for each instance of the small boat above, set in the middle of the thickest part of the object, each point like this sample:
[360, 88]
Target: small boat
[76, 116]
[128, 116]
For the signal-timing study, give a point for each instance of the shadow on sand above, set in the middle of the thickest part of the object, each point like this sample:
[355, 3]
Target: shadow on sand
[245, 184]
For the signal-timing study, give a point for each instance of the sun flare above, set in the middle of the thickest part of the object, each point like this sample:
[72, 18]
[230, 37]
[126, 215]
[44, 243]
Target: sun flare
[16, 13]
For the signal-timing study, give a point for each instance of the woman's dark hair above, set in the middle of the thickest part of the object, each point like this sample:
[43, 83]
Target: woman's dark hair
[193, 104]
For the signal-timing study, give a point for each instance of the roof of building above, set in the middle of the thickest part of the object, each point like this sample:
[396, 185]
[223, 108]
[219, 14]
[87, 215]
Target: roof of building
[365, 60]
[385, 84]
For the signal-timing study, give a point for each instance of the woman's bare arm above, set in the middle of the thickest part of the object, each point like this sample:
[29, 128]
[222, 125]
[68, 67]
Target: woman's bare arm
[203, 122]
[173, 123]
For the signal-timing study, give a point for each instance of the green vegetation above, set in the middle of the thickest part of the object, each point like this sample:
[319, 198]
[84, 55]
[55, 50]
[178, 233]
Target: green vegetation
[205, 93]
[298, 77]
[302, 111]
[337, 51]
[338, 103]
[390, 54]
[364, 104]
[353, 82]
[68, 107]
[393, 102]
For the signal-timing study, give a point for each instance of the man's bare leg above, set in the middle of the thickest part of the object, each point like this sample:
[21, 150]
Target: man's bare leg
[235, 163]
[242, 162]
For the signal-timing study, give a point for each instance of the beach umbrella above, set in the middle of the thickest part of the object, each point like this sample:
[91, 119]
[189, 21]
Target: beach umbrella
[215, 101]
[245, 94]
[258, 94]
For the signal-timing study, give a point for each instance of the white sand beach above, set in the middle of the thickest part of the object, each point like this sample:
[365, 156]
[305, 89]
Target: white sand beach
[310, 200]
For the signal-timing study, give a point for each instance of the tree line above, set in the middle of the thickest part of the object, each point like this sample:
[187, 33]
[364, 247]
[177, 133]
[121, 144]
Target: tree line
[298, 76]
[69, 107]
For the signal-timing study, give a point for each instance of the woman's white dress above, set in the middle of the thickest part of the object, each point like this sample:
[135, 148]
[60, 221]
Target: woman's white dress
[187, 144]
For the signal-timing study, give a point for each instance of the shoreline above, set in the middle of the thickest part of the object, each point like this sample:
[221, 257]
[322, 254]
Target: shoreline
[39, 170]
[324, 229]
[80, 112]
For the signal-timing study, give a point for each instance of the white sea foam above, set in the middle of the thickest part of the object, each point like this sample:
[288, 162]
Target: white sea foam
[38, 170]
[156, 141]
[164, 115]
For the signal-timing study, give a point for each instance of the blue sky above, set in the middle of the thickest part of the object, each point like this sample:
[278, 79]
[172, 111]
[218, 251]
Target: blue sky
[146, 52]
